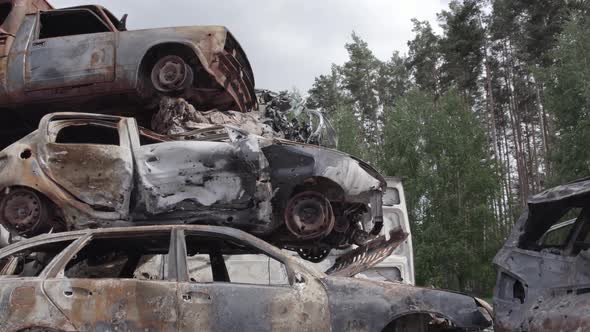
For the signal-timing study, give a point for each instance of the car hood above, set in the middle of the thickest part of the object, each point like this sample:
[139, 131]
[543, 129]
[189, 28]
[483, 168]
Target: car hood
[375, 300]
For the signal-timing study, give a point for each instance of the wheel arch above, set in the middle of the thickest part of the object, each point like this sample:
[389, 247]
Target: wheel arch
[324, 185]
[414, 316]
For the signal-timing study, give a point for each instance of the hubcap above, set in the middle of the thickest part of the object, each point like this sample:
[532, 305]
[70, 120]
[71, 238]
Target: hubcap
[309, 215]
[170, 74]
[22, 211]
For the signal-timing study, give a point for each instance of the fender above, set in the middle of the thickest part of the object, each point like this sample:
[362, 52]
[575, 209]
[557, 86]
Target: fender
[376, 304]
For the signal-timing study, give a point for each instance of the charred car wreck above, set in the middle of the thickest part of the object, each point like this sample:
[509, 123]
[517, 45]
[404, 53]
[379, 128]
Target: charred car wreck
[187, 278]
[80, 53]
[543, 275]
[87, 171]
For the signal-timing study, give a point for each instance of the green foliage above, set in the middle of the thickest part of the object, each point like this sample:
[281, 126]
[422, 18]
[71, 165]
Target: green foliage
[449, 185]
[568, 99]
[474, 120]
[462, 46]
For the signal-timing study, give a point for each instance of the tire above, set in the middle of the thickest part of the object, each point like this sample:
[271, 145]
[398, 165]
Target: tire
[170, 75]
[26, 212]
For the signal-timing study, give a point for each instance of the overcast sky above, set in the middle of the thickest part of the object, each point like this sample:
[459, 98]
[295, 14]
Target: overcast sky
[288, 42]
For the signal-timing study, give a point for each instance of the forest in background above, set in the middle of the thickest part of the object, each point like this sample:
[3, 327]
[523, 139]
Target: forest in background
[475, 119]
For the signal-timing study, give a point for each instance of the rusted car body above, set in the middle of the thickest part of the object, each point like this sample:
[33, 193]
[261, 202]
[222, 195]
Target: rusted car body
[81, 53]
[87, 170]
[543, 268]
[152, 278]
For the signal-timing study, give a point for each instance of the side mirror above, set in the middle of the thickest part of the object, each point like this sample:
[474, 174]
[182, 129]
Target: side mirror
[123, 22]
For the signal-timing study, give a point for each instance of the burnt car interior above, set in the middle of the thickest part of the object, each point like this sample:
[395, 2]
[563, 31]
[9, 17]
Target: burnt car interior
[561, 228]
[30, 262]
[215, 259]
[5, 9]
[128, 257]
[70, 22]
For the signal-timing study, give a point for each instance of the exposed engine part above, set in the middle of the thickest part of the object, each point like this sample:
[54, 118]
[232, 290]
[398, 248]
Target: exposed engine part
[316, 253]
[309, 215]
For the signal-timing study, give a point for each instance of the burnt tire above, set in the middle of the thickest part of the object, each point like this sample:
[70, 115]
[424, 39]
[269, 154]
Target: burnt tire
[171, 75]
[25, 212]
[309, 215]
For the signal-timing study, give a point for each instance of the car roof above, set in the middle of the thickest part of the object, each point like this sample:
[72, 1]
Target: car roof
[209, 229]
[576, 188]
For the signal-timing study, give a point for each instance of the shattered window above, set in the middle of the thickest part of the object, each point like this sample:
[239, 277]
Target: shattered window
[88, 134]
[70, 22]
[30, 262]
[218, 260]
[142, 257]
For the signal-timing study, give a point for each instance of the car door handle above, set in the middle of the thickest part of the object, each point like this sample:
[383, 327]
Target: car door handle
[39, 43]
[77, 291]
[196, 297]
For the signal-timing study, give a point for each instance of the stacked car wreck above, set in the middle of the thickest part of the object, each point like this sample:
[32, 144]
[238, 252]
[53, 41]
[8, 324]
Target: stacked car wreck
[151, 229]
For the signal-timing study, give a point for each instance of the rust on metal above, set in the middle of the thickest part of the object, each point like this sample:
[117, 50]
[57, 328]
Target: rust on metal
[101, 60]
[104, 171]
[61, 293]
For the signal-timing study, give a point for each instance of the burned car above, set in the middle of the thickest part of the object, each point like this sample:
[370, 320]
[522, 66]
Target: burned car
[179, 278]
[81, 53]
[86, 171]
[543, 268]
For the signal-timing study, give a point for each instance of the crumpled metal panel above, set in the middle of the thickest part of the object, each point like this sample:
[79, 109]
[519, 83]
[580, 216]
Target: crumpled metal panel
[278, 115]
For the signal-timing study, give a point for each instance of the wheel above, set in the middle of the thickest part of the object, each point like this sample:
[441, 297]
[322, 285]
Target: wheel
[309, 215]
[27, 213]
[171, 74]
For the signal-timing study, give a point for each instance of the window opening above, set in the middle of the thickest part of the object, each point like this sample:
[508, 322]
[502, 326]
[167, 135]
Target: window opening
[130, 257]
[69, 23]
[219, 260]
[88, 134]
[32, 261]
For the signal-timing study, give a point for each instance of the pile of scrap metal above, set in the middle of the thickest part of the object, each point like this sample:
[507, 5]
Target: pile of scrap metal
[278, 115]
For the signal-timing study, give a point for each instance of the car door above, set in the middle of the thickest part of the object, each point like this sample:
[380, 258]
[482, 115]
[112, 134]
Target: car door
[72, 48]
[196, 174]
[23, 303]
[124, 281]
[219, 292]
[91, 159]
